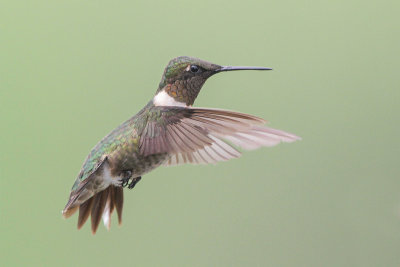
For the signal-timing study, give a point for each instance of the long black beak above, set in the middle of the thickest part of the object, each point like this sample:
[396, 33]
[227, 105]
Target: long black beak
[230, 68]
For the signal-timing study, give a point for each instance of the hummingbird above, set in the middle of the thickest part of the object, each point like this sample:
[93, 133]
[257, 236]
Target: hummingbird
[167, 131]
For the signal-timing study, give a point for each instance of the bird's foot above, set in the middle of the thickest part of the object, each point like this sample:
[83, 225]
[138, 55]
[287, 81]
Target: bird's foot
[126, 175]
[134, 182]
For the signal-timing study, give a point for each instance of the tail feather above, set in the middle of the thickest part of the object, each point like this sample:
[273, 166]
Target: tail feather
[99, 203]
[111, 199]
[119, 202]
[114, 200]
[108, 210]
[69, 212]
[84, 212]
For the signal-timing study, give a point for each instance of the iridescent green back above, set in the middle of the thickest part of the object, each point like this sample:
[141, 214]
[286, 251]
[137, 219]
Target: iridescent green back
[118, 137]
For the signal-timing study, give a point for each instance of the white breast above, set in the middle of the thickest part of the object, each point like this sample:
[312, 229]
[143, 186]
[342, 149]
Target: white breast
[163, 99]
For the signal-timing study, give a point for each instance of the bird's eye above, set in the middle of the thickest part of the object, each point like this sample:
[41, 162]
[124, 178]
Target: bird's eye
[194, 68]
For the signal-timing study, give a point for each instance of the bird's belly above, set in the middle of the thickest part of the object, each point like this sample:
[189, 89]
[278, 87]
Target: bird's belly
[148, 163]
[135, 162]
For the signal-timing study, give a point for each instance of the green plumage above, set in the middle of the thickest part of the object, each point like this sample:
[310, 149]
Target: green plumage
[122, 146]
[166, 131]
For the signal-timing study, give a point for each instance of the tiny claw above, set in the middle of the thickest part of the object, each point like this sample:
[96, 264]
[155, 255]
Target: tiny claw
[124, 182]
[126, 175]
[134, 182]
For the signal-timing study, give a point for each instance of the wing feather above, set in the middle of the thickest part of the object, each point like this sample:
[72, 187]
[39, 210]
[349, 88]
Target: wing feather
[203, 136]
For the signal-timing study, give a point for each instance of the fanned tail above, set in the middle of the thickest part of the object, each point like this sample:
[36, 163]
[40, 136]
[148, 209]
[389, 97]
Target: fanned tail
[100, 205]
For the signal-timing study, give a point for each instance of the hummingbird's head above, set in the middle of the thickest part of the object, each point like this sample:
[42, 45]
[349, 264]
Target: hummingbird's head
[183, 78]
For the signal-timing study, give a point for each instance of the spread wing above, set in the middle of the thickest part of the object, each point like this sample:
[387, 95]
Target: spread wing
[202, 135]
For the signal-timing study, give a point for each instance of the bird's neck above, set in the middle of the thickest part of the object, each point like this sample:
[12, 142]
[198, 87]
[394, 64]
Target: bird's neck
[180, 93]
[163, 98]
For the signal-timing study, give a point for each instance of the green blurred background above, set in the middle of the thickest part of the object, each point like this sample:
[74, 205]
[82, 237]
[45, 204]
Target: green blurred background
[71, 71]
